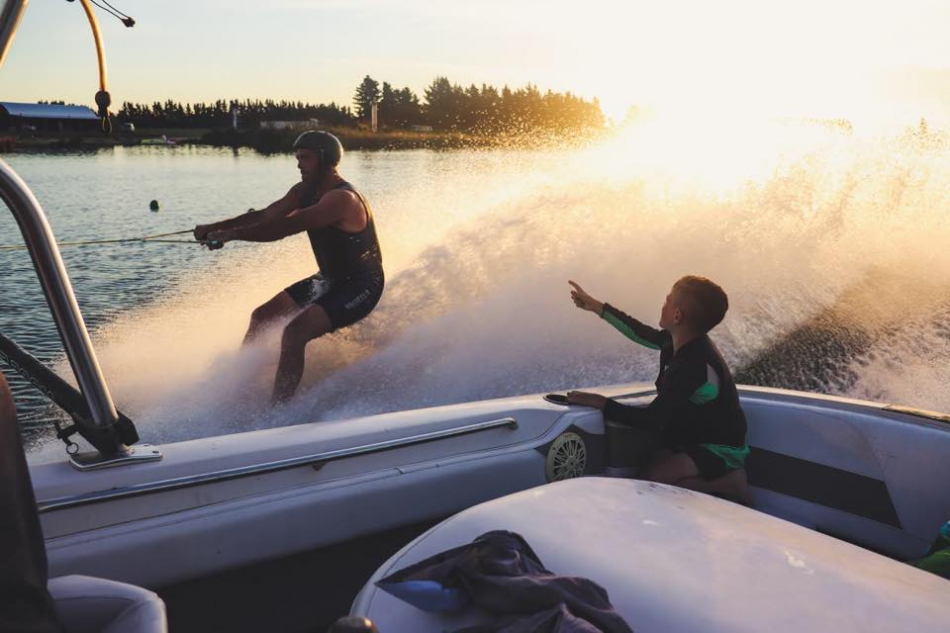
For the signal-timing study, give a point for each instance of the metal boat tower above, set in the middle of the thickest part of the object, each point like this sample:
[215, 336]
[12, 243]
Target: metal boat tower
[110, 433]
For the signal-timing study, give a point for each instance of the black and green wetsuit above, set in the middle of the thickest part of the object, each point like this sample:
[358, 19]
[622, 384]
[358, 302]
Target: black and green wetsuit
[937, 560]
[696, 409]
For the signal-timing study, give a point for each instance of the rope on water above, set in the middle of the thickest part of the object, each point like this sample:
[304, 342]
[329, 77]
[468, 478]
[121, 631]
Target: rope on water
[157, 238]
[149, 237]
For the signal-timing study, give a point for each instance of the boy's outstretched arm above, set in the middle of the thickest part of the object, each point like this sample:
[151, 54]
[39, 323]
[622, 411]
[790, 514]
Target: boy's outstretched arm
[627, 325]
[634, 330]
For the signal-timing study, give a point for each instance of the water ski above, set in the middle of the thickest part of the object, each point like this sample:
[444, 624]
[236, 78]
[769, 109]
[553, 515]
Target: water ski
[556, 398]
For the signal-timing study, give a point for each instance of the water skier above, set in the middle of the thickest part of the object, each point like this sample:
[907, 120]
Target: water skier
[342, 232]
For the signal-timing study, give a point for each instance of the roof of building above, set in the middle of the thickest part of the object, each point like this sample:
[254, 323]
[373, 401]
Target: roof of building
[48, 111]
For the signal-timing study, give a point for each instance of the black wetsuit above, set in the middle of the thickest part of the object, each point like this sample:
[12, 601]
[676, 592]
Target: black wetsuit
[350, 281]
[696, 409]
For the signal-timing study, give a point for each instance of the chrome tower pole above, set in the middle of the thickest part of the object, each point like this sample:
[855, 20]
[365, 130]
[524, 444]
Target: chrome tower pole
[11, 12]
[59, 294]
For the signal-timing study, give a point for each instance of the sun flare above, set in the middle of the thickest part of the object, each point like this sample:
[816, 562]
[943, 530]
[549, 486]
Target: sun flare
[757, 60]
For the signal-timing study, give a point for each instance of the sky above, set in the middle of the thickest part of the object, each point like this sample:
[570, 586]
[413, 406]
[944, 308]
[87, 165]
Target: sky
[864, 60]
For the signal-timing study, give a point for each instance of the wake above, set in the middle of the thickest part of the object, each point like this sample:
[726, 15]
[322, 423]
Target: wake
[829, 253]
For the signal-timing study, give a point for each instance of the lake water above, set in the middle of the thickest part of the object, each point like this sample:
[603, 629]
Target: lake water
[831, 247]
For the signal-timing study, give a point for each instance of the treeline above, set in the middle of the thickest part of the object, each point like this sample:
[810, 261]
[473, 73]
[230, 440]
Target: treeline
[171, 114]
[478, 110]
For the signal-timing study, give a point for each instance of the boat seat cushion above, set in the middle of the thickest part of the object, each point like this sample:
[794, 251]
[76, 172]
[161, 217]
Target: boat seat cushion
[87, 605]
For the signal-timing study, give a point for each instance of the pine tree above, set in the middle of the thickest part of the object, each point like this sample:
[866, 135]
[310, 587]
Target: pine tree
[367, 93]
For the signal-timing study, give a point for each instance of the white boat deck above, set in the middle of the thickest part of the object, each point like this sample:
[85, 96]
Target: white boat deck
[674, 560]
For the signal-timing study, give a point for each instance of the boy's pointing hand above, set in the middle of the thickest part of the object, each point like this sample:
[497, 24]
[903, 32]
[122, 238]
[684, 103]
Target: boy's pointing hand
[583, 300]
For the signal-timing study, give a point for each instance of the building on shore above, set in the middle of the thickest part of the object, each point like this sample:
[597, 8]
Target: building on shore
[47, 118]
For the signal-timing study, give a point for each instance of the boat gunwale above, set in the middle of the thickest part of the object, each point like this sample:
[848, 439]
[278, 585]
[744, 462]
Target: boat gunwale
[900, 414]
[316, 460]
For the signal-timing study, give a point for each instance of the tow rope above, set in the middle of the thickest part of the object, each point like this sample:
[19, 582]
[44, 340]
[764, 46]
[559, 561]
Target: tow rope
[151, 239]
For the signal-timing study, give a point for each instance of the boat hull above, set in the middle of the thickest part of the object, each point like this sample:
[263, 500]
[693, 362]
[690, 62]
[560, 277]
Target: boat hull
[856, 470]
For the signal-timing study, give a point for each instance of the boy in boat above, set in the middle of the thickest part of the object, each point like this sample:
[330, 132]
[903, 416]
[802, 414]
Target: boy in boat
[342, 233]
[696, 410]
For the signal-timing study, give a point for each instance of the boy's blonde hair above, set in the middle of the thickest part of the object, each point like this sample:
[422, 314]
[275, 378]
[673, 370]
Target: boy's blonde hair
[706, 302]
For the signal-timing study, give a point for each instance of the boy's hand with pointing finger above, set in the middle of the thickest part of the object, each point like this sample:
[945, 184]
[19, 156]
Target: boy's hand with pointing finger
[584, 301]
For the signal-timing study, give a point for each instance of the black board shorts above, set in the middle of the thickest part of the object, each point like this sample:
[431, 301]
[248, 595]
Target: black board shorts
[345, 301]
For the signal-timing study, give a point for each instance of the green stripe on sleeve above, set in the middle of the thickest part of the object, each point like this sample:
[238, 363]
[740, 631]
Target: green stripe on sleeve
[626, 330]
[707, 393]
[709, 390]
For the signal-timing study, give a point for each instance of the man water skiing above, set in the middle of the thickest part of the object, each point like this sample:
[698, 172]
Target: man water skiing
[342, 233]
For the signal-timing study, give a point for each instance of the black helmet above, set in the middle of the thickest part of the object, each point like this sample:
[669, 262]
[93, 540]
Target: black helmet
[326, 146]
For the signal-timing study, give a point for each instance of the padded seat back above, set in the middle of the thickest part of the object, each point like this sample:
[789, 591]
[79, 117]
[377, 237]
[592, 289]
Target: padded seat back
[94, 605]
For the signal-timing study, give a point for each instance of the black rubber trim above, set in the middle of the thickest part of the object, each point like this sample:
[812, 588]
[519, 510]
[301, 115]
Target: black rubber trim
[825, 485]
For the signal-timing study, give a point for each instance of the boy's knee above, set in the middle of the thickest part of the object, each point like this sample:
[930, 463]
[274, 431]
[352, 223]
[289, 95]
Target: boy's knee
[660, 473]
[672, 468]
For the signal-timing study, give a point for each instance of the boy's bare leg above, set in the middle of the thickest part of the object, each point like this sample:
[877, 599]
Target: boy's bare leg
[658, 457]
[671, 468]
[680, 470]
[734, 484]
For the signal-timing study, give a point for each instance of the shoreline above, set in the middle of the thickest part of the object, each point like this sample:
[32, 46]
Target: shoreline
[281, 141]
